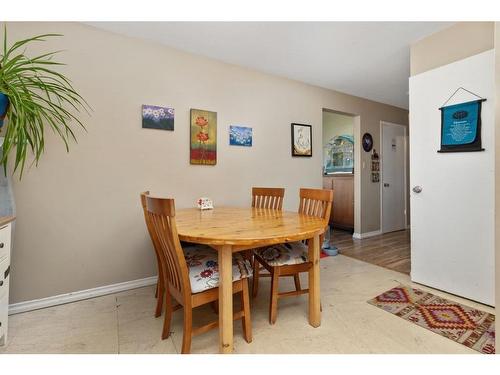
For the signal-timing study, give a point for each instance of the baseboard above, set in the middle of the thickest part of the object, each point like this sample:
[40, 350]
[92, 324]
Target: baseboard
[61, 299]
[360, 236]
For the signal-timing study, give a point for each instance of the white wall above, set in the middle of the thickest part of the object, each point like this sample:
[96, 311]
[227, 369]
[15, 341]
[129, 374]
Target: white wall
[452, 220]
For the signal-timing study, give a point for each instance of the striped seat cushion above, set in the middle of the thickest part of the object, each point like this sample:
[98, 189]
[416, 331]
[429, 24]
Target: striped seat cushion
[202, 262]
[284, 254]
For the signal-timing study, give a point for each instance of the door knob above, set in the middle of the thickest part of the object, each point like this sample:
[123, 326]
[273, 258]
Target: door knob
[417, 189]
[386, 184]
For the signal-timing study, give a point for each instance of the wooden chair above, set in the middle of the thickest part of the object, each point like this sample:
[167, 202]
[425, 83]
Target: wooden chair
[290, 259]
[271, 198]
[160, 290]
[191, 274]
[262, 197]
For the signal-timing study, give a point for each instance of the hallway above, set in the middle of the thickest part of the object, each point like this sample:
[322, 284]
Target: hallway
[391, 250]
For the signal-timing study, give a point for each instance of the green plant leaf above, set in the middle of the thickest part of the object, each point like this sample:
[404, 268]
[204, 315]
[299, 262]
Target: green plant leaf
[40, 97]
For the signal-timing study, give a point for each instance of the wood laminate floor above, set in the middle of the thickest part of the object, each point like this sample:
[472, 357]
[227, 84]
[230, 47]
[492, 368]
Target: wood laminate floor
[390, 250]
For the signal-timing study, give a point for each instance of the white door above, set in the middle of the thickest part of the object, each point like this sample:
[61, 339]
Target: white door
[453, 202]
[393, 177]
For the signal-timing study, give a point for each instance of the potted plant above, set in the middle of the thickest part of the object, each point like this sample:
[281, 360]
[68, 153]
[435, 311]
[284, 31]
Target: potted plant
[34, 96]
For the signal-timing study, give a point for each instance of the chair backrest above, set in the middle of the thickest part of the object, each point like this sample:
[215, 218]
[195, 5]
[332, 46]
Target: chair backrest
[161, 214]
[271, 198]
[316, 202]
[156, 246]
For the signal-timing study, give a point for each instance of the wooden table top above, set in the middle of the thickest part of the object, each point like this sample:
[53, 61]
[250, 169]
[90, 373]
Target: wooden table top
[245, 226]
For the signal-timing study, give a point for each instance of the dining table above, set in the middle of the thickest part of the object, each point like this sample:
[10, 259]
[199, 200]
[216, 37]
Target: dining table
[232, 229]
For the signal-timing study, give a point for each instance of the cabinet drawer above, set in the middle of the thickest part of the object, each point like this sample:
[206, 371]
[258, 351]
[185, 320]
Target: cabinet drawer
[4, 241]
[4, 278]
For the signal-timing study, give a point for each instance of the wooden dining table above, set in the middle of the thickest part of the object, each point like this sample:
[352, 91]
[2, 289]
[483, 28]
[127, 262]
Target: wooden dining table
[232, 229]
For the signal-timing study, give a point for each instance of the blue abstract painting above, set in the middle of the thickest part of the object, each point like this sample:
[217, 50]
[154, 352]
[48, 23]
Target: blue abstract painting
[240, 136]
[154, 117]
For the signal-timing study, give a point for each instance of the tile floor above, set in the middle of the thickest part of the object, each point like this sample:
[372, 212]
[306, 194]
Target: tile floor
[124, 322]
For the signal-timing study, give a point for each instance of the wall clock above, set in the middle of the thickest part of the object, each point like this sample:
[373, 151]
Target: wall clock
[367, 142]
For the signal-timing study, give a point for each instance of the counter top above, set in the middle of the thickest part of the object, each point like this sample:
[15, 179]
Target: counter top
[6, 219]
[347, 174]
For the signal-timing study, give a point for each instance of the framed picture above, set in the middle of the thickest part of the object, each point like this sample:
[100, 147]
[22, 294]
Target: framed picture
[203, 141]
[301, 140]
[154, 117]
[240, 136]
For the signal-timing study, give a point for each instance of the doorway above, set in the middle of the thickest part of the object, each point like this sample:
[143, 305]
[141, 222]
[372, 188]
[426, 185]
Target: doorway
[338, 166]
[393, 170]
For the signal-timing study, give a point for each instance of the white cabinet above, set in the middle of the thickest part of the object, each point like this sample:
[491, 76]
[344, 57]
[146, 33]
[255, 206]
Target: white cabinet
[5, 241]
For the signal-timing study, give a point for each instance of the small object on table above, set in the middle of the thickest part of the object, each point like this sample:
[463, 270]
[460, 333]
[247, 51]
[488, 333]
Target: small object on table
[205, 204]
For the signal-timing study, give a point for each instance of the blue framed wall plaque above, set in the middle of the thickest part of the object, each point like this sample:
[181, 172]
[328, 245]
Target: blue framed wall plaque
[461, 127]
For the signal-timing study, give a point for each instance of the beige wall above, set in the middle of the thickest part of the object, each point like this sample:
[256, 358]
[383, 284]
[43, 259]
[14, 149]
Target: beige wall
[497, 175]
[455, 43]
[80, 223]
[335, 124]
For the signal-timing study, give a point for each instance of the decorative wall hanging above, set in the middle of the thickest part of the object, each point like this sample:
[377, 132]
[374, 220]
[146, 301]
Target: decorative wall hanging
[461, 125]
[240, 136]
[375, 166]
[301, 140]
[154, 117]
[203, 137]
[367, 142]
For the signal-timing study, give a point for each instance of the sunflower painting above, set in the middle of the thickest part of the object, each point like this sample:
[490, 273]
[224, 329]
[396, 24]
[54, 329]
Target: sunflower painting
[203, 137]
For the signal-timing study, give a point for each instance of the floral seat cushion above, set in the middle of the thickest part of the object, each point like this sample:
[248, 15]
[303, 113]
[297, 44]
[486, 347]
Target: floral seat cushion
[202, 262]
[284, 254]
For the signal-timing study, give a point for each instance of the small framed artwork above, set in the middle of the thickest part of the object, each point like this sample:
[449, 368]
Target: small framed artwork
[240, 136]
[301, 140]
[154, 117]
[203, 145]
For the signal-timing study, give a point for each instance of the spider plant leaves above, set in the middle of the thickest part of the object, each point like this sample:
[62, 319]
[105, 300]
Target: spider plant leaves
[40, 98]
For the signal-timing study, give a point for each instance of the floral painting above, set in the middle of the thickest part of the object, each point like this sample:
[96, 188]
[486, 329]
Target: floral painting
[240, 136]
[154, 117]
[203, 137]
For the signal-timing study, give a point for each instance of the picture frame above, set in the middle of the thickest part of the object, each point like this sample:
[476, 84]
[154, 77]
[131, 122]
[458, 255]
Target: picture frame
[240, 136]
[301, 140]
[203, 138]
[157, 117]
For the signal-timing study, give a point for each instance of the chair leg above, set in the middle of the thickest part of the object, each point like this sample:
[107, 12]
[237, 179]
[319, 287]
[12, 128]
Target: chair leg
[245, 306]
[156, 290]
[187, 333]
[296, 279]
[160, 292]
[273, 305]
[255, 283]
[168, 316]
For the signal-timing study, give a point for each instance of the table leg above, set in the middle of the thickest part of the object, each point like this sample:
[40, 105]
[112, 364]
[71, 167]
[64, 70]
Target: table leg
[225, 299]
[314, 291]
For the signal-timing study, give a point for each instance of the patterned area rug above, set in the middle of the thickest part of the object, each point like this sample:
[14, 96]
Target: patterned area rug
[465, 325]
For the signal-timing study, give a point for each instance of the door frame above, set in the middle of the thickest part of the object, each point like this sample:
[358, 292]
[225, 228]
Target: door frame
[405, 173]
